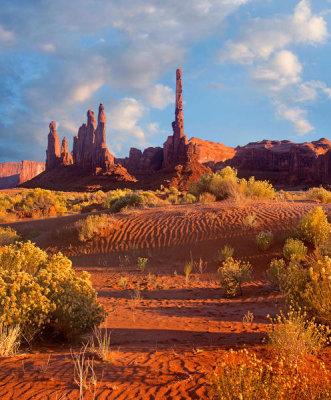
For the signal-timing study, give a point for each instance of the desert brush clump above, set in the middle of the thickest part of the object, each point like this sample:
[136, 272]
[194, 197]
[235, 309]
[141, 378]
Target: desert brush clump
[242, 375]
[225, 184]
[130, 200]
[314, 227]
[264, 240]
[276, 270]
[43, 294]
[294, 250]
[188, 198]
[232, 274]
[294, 335]
[206, 198]
[320, 195]
[225, 253]
[308, 287]
[9, 340]
[94, 224]
[8, 236]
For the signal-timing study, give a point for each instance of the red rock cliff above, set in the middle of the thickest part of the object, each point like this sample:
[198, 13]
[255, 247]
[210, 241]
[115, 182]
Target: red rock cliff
[14, 173]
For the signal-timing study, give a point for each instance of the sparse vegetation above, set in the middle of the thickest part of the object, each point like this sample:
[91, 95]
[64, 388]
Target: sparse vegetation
[320, 195]
[233, 273]
[206, 198]
[8, 236]
[264, 240]
[141, 263]
[43, 294]
[276, 271]
[294, 335]
[100, 344]
[225, 184]
[92, 225]
[314, 227]
[188, 268]
[130, 200]
[225, 253]
[188, 199]
[242, 375]
[294, 250]
[9, 339]
[251, 221]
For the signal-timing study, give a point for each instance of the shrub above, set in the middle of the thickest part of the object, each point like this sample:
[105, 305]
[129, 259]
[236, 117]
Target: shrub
[314, 227]
[225, 253]
[9, 340]
[319, 195]
[232, 274]
[294, 250]
[172, 198]
[113, 195]
[309, 288]
[294, 335]
[243, 376]
[43, 294]
[251, 221]
[264, 240]
[141, 263]
[262, 190]
[39, 202]
[206, 198]
[8, 236]
[150, 198]
[275, 271]
[127, 201]
[188, 268]
[92, 225]
[188, 199]
[225, 184]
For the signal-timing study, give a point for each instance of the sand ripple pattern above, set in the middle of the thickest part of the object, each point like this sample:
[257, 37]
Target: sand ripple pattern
[183, 225]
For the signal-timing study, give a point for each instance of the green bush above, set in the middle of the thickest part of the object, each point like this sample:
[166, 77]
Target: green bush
[92, 225]
[113, 195]
[232, 274]
[126, 201]
[43, 294]
[8, 236]
[294, 250]
[319, 195]
[264, 240]
[314, 227]
[276, 271]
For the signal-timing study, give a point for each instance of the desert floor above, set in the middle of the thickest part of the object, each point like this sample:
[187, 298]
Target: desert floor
[166, 332]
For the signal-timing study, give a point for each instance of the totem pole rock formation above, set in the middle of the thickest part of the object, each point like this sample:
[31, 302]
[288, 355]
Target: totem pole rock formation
[53, 152]
[66, 157]
[89, 149]
[175, 149]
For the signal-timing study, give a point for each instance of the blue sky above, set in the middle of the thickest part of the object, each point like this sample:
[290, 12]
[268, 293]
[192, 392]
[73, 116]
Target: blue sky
[252, 70]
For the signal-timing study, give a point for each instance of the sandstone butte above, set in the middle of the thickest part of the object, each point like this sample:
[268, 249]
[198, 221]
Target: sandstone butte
[91, 166]
[15, 173]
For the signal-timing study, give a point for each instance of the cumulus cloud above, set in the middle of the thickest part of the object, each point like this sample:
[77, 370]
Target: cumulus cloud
[159, 96]
[263, 46]
[90, 50]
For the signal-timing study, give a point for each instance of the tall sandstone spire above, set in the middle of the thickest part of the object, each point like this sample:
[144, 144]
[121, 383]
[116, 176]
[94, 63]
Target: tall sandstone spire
[66, 157]
[53, 152]
[176, 146]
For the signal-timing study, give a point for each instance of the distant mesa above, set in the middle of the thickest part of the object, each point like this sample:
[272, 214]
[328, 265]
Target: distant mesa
[16, 173]
[91, 166]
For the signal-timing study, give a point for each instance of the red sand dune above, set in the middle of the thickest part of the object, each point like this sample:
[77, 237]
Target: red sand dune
[165, 343]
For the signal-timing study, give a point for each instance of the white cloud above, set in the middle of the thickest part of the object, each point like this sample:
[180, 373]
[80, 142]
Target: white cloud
[82, 93]
[263, 46]
[47, 47]
[297, 116]
[159, 96]
[265, 36]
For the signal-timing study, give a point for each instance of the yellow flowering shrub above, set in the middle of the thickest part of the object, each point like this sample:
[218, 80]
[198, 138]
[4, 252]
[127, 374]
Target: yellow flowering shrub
[8, 236]
[314, 227]
[43, 294]
[241, 375]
